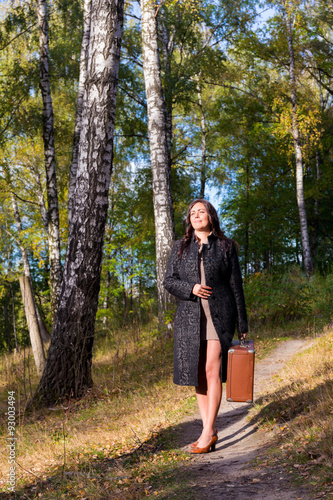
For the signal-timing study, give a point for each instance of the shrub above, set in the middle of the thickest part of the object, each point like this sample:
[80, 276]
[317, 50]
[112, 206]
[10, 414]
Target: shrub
[275, 298]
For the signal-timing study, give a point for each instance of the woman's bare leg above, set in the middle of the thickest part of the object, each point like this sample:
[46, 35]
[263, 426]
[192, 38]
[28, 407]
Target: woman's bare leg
[201, 389]
[209, 391]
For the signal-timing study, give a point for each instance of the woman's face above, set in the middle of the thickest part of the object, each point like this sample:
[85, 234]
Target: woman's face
[199, 217]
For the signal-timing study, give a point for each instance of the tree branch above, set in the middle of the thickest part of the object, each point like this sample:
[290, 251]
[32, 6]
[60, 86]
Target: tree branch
[318, 80]
[19, 34]
[19, 243]
[135, 97]
[11, 117]
[248, 92]
[132, 15]
[25, 201]
[132, 135]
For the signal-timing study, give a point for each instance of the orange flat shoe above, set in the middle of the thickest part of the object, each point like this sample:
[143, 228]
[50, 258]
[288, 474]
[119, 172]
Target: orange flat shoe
[209, 447]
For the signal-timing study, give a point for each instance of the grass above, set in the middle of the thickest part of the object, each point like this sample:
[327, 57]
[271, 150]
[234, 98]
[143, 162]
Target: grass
[300, 410]
[117, 440]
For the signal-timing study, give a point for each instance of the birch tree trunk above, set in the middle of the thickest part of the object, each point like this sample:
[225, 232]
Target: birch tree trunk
[30, 307]
[316, 211]
[163, 212]
[14, 315]
[298, 153]
[167, 49]
[50, 161]
[43, 331]
[203, 173]
[30, 314]
[82, 78]
[68, 366]
[316, 222]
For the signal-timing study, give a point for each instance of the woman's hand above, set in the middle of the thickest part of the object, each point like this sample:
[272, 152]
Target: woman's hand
[242, 336]
[202, 291]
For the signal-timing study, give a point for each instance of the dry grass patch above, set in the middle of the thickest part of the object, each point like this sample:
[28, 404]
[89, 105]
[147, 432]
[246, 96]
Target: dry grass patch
[300, 409]
[110, 441]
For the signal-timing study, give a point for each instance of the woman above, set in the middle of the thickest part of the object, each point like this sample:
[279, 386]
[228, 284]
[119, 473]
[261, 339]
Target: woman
[204, 274]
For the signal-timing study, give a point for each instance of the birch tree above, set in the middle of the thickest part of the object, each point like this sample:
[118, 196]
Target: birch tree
[78, 122]
[68, 367]
[50, 160]
[160, 165]
[42, 331]
[297, 146]
[35, 324]
[167, 41]
[203, 169]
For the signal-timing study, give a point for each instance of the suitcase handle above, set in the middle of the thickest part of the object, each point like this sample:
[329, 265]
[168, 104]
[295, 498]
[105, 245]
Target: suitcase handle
[244, 343]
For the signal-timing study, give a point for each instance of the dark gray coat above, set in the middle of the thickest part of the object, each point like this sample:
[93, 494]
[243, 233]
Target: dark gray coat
[227, 304]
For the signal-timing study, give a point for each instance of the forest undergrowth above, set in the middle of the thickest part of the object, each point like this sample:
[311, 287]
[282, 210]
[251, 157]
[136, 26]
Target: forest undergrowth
[120, 440]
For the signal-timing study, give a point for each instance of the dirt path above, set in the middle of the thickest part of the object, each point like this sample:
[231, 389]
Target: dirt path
[225, 474]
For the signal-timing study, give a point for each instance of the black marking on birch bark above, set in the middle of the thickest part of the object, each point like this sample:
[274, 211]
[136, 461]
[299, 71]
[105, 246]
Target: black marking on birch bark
[50, 161]
[160, 160]
[68, 366]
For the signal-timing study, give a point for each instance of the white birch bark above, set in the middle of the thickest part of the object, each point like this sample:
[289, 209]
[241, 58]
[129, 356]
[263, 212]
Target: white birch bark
[68, 367]
[316, 222]
[203, 173]
[28, 297]
[78, 122]
[50, 161]
[43, 331]
[30, 314]
[298, 153]
[163, 213]
[167, 49]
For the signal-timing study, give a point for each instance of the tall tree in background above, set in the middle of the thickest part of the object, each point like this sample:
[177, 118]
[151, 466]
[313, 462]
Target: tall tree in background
[50, 159]
[203, 169]
[290, 19]
[159, 157]
[68, 367]
[36, 327]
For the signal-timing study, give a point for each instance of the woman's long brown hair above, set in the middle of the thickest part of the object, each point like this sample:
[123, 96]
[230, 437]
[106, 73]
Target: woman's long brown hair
[213, 221]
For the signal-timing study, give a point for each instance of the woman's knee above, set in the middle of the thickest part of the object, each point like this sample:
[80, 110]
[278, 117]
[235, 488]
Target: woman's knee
[213, 371]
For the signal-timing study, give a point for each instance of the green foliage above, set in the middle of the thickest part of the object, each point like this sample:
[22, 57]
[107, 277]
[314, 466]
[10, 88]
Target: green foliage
[278, 297]
[322, 295]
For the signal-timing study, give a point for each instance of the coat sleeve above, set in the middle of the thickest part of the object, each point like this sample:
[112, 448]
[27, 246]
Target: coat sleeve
[173, 283]
[236, 284]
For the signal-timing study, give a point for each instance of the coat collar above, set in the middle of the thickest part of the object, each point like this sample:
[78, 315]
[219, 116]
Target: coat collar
[211, 238]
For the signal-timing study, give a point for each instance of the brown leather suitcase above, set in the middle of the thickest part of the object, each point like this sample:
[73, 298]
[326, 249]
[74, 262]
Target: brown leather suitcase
[240, 373]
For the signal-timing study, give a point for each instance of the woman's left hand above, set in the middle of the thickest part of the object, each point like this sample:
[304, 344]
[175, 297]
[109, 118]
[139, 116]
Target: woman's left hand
[242, 336]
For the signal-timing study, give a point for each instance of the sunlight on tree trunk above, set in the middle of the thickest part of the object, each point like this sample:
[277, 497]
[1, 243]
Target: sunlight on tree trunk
[30, 314]
[163, 213]
[37, 334]
[68, 366]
